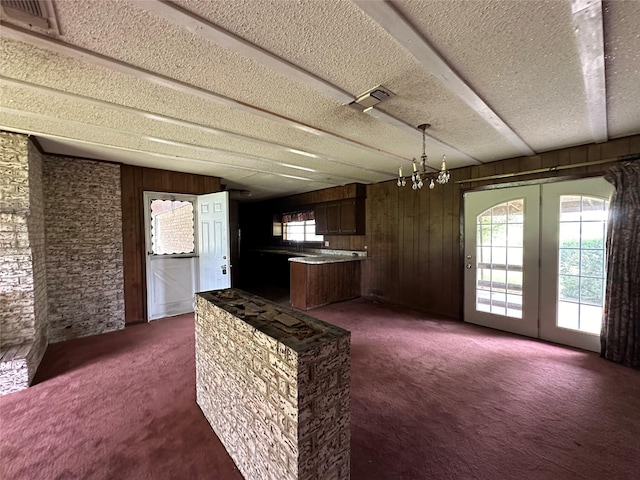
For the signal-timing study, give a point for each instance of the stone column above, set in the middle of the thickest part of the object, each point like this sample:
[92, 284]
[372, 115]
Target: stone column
[23, 291]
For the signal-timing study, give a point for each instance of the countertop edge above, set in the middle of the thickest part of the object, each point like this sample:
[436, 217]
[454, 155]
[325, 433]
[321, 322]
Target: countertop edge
[323, 259]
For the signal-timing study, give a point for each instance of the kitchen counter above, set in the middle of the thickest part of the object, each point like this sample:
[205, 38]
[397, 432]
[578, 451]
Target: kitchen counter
[298, 255]
[322, 259]
[324, 279]
[314, 276]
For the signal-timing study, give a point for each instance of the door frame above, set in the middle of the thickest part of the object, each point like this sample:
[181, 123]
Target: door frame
[528, 324]
[148, 195]
[549, 290]
[498, 186]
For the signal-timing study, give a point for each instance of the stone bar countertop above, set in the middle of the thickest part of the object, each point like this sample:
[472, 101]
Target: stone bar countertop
[296, 330]
[274, 384]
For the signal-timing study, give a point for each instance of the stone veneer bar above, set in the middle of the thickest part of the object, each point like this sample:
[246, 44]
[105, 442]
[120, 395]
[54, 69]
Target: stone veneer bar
[274, 385]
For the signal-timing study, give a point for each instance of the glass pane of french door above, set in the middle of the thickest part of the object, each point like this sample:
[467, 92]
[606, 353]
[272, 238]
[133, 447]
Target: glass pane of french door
[583, 222]
[574, 217]
[498, 266]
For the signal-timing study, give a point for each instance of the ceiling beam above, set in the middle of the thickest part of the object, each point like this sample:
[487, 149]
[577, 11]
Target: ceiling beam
[187, 146]
[153, 154]
[182, 123]
[42, 41]
[388, 17]
[588, 27]
[202, 28]
[213, 33]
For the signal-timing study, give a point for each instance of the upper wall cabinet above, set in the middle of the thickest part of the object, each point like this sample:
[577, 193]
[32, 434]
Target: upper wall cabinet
[344, 217]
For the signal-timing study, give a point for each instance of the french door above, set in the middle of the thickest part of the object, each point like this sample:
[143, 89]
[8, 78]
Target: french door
[534, 260]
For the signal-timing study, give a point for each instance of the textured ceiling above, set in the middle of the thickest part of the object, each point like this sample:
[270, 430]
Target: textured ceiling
[256, 92]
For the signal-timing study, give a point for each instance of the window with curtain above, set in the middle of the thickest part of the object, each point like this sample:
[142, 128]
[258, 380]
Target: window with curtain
[300, 227]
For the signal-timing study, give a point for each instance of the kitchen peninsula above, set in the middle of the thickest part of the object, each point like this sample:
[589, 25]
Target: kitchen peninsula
[317, 276]
[321, 279]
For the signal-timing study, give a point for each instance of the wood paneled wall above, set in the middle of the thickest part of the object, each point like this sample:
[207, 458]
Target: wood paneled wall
[414, 238]
[256, 218]
[135, 181]
[351, 190]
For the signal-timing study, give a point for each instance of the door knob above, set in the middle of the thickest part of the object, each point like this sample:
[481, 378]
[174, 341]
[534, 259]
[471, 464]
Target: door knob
[468, 266]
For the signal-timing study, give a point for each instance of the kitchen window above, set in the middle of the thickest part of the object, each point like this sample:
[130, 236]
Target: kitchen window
[300, 227]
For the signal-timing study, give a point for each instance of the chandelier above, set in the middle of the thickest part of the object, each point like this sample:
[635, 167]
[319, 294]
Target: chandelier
[419, 177]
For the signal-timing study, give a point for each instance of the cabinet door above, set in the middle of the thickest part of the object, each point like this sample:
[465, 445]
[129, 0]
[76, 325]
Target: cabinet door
[348, 216]
[333, 218]
[321, 219]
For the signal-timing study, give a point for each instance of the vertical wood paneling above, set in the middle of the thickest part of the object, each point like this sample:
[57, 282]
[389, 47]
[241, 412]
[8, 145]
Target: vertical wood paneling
[392, 240]
[372, 267]
[549, 159]
[449, 247]
[578, 155]
[415, 238]
[406, 221]
[457, 260]
[434, 286]
[134, 182]
[129, 235]
[424, 241]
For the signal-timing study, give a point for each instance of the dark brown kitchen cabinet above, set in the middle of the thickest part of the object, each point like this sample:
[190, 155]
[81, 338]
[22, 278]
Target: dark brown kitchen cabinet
[344, 217]
[348, 216]
[333, 218]
[321, 219]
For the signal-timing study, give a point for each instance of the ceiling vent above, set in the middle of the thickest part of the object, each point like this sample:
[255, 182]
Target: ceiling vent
[36, 15]
[369, 99]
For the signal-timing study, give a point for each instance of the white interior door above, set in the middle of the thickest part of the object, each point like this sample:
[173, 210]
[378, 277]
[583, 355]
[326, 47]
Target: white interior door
[572, 274]
[501, 259]
[213, 241]
[171, 253]
[538, 271]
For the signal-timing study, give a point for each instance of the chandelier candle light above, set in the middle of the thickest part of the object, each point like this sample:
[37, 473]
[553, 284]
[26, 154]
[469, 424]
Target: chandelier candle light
[417, 177]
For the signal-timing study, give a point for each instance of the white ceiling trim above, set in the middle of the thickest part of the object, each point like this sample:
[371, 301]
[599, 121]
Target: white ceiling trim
[389, 18]
[588, 27]
[198, 148]
[203, 28]
[183, 123]
[22, 35]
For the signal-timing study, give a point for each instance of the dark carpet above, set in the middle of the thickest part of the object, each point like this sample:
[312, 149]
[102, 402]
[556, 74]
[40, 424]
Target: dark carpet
[430, 399]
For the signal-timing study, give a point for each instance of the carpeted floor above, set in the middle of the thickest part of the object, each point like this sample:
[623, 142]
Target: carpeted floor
[430, 399]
